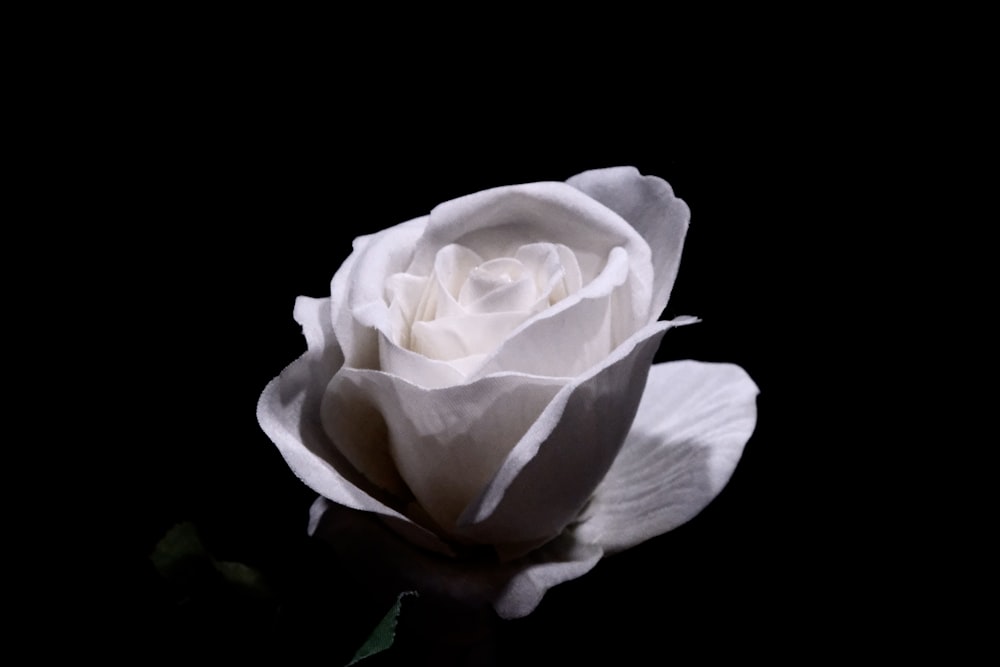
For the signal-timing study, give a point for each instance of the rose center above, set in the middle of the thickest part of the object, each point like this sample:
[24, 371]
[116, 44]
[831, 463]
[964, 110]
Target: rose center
[468, 305]
[490, 277]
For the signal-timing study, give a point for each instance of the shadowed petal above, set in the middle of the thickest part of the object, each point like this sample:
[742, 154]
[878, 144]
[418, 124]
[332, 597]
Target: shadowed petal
[447, 443]
[289, 413]
[688, 435]
[532, 576]
[556, 466]
[513, 588]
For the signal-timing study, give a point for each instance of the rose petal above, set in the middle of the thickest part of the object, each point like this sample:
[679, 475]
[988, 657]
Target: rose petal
[499, 285]
[403, 293]
[588, 316]
[358, 290]
[688, 435]
[514, 589]
[556, 271]
[289, 413]
[649, 205]
[315, 316]
[452, 266]
[356, 425]
[532, 576]
[573, 279]
[579, 331]
[495, 223]
[447, 443]
[548, 477]
[517, 296]
[455, 337]
[424, 371]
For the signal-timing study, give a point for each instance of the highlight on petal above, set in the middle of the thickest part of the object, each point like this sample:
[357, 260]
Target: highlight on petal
[649, 205]
[689, 433]
[497, 285]
[448, 338]
[424, 371]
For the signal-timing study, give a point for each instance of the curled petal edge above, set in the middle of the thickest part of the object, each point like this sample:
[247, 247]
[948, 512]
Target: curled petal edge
[648, 204]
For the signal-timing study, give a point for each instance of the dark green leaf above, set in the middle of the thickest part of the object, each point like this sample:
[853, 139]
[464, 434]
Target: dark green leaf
[182, 558]
[244, 577]
[384, 633]
[178, 547]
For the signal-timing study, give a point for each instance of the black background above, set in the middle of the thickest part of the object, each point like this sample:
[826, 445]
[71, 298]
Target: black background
[181, 178]
[239, 188]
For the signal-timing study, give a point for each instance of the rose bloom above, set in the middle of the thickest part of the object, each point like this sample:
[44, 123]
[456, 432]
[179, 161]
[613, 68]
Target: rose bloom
[480, 379]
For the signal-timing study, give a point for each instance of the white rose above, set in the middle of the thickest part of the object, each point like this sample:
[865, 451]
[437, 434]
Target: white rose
[478, 376]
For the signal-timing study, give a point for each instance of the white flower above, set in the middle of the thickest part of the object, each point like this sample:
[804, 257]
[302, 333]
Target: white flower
[478, 376]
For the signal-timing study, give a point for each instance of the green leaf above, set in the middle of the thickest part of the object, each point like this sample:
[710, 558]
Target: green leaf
[182, 558]
[178, 548]
[244, 577]
[384, 633]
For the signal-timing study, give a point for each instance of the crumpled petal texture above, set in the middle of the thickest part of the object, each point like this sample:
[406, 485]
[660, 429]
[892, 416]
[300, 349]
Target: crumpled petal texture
[478, 377]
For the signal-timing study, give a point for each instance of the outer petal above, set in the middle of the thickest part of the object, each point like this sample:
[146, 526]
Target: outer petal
[358, 287]
[496, 222]
[649, 205]
[289, 413]
[551, 473]
[513, 588]
[530, 577]
[688, 435]
[447, 443]
[314, 316]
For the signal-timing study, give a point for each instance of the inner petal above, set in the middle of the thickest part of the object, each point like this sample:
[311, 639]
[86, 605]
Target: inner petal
[452, 266]
[450, 338]
[404, 293]
[488, 277]
[555, 269]
[506, 297]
